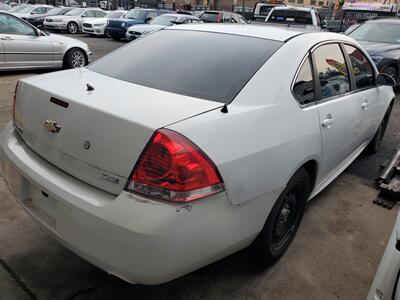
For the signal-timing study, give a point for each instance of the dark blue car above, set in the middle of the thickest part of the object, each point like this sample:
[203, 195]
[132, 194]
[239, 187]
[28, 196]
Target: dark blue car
[116, 28]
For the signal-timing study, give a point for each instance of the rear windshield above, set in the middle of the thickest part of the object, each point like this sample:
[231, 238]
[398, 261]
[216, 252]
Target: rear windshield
[290, 16]
[211, 66]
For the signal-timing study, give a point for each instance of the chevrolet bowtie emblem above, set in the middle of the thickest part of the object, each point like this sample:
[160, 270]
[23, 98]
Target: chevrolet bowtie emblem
[52, 126]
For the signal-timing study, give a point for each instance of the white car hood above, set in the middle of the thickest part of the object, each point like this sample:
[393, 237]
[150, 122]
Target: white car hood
[96, 21]
[146, 28]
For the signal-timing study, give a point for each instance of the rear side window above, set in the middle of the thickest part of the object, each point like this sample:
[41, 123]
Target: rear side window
[332, 70]
[290, 16]
[362, 69]
[216, 75]
[303, 87]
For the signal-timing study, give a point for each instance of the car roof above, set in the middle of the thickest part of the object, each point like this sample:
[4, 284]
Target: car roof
[259, 31]
[293, 8]
[385, 20]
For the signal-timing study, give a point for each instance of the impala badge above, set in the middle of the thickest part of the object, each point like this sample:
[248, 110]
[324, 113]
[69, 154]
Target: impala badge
[52, 126]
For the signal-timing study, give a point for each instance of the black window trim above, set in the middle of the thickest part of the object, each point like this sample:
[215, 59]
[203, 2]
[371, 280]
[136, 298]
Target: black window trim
[371, 63]
[305, 58]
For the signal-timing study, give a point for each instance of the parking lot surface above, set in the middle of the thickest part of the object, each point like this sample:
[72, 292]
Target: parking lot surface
[334, 255]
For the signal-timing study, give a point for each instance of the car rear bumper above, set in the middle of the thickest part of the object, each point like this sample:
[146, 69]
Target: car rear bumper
[137, 239]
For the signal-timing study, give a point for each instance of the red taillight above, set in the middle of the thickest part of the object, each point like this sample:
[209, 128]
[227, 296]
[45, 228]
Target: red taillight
[173, 168]
[14, 100]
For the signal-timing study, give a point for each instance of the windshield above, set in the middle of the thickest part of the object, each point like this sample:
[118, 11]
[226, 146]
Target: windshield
[217, 76]
[75, 12]
[26, 9]
[54, 11]
[377, 32]
[17, 8]
[114, 14]
[136, 14]
[164, 20]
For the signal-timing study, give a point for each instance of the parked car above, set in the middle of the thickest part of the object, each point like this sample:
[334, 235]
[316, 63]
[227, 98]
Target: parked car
[261, 10]
[300, 17]
[4, 7]
[98, 26]
[32, 10]
[116, 28]
[221, 17]
[158, 23]
[386, 284]
[37, 20]
[150, 174]
[26, 47]
[72, 21]
[381, 39]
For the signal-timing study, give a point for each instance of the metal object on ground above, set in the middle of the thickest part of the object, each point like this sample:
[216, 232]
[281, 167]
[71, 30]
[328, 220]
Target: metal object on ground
[388, 183]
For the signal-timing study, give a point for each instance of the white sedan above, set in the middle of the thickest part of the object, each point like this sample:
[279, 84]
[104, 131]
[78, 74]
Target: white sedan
[160, 22]
[150, 169]
[72, 21]
[97, 26]
[23, 46]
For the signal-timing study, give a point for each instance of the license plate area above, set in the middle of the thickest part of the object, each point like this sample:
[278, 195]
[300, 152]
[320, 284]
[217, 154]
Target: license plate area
[35, 200]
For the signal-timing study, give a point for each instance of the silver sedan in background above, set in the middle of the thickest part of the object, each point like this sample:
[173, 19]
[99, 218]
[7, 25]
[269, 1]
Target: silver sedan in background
[23, 46]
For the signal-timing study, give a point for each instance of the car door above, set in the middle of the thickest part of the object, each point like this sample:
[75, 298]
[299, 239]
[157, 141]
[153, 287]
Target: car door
[369, 94]
[22, 46]
[3, 27]
[339, 110]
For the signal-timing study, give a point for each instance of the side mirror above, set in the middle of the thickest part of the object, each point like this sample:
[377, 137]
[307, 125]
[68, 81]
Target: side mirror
[324, 24]
[147, 19]
[385, 79]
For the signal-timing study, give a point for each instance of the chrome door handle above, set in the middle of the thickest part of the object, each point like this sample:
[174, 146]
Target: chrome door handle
[6, 38]
[365, 105]
[328, 121]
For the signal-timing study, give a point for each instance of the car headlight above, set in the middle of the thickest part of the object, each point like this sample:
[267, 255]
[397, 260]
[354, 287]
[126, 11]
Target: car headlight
[377, 58]
[123, 25]
[108, 23]
[100, 24]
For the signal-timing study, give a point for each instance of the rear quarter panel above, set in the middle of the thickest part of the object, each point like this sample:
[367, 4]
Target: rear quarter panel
[266, 136]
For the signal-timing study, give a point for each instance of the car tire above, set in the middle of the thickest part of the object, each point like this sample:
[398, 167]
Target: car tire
[376, 141]
[391, 71]
[283, 221]
[72, 28]
[75, 58]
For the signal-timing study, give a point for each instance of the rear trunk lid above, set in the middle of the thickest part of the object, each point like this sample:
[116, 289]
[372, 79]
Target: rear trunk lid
[103, 131]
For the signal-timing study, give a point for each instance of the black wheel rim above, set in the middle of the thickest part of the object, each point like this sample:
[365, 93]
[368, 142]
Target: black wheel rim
[286, 220]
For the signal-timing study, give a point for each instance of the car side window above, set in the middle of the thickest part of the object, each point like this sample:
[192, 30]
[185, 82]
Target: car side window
[89, 13]
[11, 25]
[152, 14]
[100, 14]
[362, 69]
[332, 70]
[303, 87]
